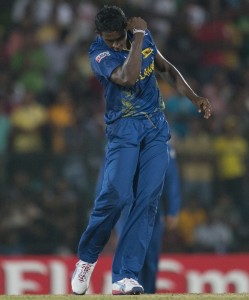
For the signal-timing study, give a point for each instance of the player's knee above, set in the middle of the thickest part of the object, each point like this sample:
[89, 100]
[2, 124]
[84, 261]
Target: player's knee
[113, 198]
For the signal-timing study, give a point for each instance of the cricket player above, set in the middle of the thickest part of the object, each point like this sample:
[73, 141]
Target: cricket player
[124, 58]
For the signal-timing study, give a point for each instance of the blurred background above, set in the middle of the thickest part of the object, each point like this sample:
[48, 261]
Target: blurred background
[52, 131]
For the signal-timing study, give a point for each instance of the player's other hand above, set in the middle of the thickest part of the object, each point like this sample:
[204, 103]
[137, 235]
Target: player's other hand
[137, 23]
[203, 105]
[171, 222]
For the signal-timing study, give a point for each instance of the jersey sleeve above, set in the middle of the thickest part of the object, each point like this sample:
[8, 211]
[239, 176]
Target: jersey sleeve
[104, 63]
[151, 41]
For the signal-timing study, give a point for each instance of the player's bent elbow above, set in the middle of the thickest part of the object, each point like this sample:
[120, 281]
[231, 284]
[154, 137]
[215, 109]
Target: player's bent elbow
[125, 79]
[128, 82]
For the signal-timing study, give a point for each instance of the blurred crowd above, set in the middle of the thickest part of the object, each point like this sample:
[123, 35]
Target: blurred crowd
[52, 130]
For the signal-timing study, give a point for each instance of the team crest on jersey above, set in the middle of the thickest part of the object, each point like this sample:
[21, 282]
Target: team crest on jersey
[146, 52]
[102, 55]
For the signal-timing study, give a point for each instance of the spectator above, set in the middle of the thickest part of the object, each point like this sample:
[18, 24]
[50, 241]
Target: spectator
[179, 111]
[221, 93]
[196, 163]
[231, 149]
[28, 121]
[214, 236]
[58, 53]
[29, 64]
[227, 212]
[61, 120]
[190, 216]
[5, 128]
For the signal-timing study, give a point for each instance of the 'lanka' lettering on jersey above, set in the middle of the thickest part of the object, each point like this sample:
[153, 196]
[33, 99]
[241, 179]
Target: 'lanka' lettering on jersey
[144, 97]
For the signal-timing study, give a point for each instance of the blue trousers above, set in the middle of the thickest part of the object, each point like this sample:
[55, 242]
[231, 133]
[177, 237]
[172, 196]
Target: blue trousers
[171, 199]
[147, 275]
[135, 165]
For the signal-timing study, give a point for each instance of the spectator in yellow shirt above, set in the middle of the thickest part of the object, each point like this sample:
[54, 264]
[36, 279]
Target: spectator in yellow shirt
[231, 150]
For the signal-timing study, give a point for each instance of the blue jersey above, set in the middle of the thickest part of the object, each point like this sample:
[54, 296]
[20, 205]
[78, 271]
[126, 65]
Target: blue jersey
[144, 97]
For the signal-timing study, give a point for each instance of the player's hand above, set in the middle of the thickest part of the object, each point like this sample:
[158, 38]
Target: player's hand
[171, 222]
[137, 23]
[203, 105]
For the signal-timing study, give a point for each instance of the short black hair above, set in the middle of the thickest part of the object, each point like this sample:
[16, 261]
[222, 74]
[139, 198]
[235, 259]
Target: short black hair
[109, 19]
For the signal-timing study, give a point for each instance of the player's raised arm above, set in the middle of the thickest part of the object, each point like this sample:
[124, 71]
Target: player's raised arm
[128, 73]
[170, 72]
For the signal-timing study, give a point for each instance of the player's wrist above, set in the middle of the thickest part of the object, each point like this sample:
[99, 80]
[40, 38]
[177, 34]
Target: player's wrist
[134, 31]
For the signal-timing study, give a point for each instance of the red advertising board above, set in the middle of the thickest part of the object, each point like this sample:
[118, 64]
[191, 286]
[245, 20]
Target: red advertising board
[177, 274]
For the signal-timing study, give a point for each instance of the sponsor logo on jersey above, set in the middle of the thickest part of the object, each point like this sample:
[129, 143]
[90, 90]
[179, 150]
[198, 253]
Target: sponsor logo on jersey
[147, 71]
[146, 52]
[102, 55]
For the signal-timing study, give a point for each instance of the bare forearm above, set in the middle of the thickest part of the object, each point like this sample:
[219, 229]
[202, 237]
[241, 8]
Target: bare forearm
[171, 74]
[166, 69]
[180, 83]
[132, 65]
[128, 73]
[183, 88]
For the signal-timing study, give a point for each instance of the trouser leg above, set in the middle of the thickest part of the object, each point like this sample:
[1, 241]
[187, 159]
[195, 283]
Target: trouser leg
[136, 234]
[117, 189]
[148, 274]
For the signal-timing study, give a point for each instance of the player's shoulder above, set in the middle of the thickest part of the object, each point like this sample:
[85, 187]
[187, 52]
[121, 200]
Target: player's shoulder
[149, 44]
[148, 35]
[98, 50]
[148, 39]
[98, 45]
